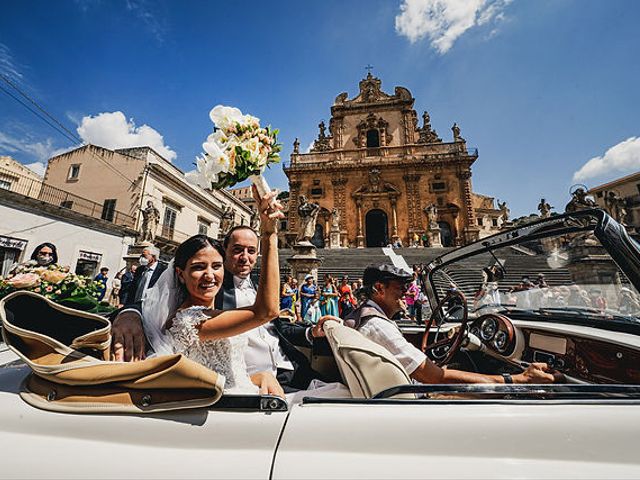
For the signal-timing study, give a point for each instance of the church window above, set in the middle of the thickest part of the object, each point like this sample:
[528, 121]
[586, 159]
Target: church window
[439, 186]
[316, 192]
[316, 181]
[108, 209]
[373, 138]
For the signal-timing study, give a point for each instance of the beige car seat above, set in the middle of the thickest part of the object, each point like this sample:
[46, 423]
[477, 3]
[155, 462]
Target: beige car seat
[366, 367]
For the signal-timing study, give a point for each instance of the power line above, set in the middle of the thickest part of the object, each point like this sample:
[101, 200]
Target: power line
[64, 131]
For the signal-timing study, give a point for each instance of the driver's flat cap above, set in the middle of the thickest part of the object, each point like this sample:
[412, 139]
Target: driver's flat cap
[381, 272]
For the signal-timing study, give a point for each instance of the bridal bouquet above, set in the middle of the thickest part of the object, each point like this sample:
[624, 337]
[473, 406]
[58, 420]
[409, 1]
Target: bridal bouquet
[56, 283]
[239, 148]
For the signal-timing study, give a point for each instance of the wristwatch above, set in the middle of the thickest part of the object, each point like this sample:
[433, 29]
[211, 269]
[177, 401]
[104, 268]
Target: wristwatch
[507, 378]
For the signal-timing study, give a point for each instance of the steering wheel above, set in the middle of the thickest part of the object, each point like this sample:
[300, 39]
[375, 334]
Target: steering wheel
[453, 342]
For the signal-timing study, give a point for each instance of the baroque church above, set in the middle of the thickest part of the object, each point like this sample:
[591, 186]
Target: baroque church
[388, 177]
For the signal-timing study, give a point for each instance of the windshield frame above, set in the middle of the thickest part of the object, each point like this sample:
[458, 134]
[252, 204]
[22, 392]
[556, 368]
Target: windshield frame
[624, 251]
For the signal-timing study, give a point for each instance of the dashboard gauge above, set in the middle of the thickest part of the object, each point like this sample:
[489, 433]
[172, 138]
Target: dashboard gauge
[488, 329]
[475, 331]
[500, 341]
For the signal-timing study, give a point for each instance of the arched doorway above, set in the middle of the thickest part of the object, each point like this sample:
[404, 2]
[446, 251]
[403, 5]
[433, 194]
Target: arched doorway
[446, 237]
[318, 236]
[376, 228]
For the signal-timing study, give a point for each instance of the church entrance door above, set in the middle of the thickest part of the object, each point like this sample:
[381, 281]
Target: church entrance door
[446, 236]
[376, 228]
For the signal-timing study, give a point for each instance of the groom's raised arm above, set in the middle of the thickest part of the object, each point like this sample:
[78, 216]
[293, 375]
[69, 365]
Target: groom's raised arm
[127, 335]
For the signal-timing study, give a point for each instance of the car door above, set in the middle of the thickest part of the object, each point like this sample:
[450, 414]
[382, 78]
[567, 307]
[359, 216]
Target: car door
[426, 439]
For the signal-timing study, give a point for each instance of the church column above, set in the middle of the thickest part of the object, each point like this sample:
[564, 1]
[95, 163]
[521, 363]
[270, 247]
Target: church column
[292, 220]
[394, 219]
[359, 236]
[339, 201]
[413, 202]
[470, 227]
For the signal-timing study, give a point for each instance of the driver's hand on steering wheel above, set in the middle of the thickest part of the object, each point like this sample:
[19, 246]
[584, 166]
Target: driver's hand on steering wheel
[538, 373]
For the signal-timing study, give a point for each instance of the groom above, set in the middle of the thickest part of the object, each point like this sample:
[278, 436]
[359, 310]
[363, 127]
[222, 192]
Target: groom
[272, 347]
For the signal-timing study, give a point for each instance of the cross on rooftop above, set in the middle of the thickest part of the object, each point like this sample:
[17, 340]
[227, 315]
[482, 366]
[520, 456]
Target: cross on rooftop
[368, 68]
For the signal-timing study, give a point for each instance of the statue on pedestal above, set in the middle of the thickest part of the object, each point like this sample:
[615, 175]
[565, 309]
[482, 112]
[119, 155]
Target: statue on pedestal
[296, 146]
[617, 207]
[254, 222]
[504, 210]
[579, 201]
[150, 220]
[227, 220]
[335, 219]
[308, 214]
[456, 133]
[544, 208]
[431, 211]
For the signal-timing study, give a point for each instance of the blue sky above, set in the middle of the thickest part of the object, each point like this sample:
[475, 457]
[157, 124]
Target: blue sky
[547, 90]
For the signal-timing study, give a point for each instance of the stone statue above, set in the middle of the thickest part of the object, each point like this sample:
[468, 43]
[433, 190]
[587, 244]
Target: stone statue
[227, 220]
[504, 210]
[254, 222]
[296, 146]
[617, 207]
[426, 120]
[544, 208]
[374, 180]
[579, 201]
[150, 220]
[308, 214]
[456, 133]
[322, 128]
[431, 211]
[335, 219]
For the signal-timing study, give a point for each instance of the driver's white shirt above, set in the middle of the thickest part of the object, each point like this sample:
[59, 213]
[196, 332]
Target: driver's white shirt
[386, 333]
[263, 352]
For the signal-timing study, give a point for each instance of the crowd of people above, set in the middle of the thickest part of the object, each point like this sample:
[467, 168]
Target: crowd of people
[309, 302]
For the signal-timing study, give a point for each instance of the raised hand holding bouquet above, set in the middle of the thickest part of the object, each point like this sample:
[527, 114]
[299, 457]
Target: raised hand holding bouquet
[239, 148]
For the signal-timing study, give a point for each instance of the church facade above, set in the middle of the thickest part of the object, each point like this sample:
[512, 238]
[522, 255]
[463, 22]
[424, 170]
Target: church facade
[387, 177]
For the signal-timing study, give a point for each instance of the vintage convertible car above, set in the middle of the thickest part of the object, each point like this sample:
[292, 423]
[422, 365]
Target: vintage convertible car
[491, 312]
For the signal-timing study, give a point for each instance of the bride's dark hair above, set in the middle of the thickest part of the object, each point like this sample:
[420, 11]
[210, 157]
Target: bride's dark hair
[193, 245]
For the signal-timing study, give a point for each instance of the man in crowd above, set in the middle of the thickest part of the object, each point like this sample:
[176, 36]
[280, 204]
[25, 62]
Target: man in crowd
[272, 347]
[102, 278]
[384, 287]
[128, 336]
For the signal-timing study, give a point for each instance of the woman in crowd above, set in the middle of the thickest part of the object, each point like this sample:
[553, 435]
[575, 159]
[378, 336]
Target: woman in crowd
[329, 305]
[307, 293]
[287, 294]
[347, 301]
[45, 254]
[116, 285]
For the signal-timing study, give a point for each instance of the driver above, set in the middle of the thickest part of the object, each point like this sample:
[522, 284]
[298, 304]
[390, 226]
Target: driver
[384, 288]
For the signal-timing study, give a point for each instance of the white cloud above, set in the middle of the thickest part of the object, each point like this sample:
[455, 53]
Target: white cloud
[622, 158]
[37, 167]
[112, 130]
[7, 64]
[444, 21]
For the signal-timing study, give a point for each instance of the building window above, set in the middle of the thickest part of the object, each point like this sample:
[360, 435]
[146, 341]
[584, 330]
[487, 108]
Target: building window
[5, 184]
[74, 172]
[283, 225]
[373, 138]
[638, 187]
[203, 228]
[480, 222]
[316, 181]
[599, 194]
[108, 209]
[169, 222]
[438, 186]
[494, 222]
[316, 192]
[67, 204]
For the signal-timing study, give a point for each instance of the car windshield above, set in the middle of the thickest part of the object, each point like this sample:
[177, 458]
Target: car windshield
[560, 277]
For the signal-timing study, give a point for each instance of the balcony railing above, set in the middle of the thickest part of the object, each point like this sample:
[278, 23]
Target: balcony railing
[37, 189]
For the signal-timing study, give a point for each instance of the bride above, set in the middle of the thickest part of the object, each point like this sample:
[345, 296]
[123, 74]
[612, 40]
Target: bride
[180, 318]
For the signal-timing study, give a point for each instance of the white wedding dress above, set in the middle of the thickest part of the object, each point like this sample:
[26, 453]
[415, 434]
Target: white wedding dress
[226, 356]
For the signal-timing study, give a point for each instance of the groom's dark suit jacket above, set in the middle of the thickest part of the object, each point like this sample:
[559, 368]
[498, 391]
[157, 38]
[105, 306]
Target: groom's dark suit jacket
[290, 335]
[132, 301]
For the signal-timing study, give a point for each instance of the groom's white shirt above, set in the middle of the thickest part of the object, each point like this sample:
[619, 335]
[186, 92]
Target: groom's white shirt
[263, 352]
